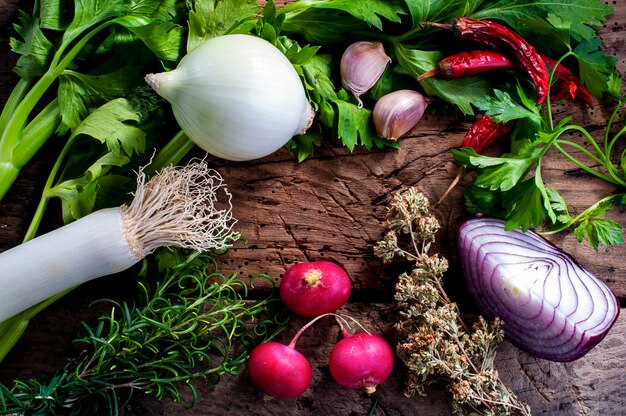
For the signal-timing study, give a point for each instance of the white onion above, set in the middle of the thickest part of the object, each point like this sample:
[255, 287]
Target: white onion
[551, 306]
[236, 96]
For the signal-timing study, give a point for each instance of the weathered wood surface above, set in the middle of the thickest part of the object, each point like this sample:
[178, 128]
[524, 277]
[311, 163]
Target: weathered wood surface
[332, 207]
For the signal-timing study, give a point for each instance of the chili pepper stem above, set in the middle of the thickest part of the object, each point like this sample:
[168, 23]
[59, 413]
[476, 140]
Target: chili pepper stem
[435, 24]
[428, 74]
[454, 183]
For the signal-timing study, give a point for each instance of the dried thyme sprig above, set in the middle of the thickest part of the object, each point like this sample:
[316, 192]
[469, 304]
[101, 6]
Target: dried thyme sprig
[193, 325]
[436, 345]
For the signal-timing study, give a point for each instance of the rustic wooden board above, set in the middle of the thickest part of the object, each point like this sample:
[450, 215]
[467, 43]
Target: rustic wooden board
[332, 207]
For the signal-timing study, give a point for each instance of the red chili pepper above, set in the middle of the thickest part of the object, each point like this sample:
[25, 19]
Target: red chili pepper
[567, 84]
[484, 132]
[504, 39]
[469, 63]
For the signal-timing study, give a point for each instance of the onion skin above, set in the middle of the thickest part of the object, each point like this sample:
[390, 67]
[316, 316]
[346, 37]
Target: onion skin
[236, 96]
[550, 306]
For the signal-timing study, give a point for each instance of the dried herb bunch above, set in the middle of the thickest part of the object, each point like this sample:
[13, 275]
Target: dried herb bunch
[435, 343]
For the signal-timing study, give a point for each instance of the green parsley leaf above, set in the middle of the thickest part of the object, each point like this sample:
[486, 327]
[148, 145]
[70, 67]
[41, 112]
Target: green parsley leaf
[351, 126]
[504, 109]
[558, 206]
[501, 173]
[303, 145]
[596, 68]
[211, 18]
[580, 13]
[320, 88]
[524, 205]
[599, 232]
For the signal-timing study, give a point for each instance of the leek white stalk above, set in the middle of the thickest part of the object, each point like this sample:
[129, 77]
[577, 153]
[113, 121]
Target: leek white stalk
[177, 207]
[236, 96]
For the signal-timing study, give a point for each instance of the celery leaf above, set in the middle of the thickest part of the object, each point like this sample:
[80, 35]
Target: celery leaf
[89, 13]
[114, 124]
[35, 49]
[80, 93]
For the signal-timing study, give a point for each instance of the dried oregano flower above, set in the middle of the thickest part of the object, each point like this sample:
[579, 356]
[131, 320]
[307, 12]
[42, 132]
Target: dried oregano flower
[436, 345]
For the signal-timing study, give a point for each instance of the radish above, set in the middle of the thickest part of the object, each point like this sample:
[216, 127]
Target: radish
[361, 361]
[312, 289]
[278, 369]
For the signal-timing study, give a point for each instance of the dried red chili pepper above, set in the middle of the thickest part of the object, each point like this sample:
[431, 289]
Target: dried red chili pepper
[484, 132]
[469, 63]
[500, 37]
[567, 84]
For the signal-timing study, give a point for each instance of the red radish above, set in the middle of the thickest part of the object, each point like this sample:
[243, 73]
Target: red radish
[361, 361]
[279, 370]
[312, 289]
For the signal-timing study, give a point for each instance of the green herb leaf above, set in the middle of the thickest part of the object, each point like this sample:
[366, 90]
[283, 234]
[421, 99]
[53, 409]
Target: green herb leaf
[208, 19]
[367, 11]
[599, 232]
[112, 124]
[303, 146]
[524, 205]
[505, 109]
[462, 92]
[596, 68]
[323, 26]
[558, 206]
[580, 13]
[81, 93]
[89, 13]
[353, 124]
[501, 173]
[434, 10]
[164, 39]
[54, 14]
[35, 49]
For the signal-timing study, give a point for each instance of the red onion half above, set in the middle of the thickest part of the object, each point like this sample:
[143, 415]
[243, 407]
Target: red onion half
[550, 306]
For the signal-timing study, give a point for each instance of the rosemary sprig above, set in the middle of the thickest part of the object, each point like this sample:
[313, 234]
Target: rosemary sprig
[436, 345]
[195, 324]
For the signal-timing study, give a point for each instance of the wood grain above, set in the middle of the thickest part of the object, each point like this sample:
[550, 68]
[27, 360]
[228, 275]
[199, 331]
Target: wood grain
[332, 207]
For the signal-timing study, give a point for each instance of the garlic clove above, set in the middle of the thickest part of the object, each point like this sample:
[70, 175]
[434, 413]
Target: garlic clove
[362, 64]
[398, 112]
